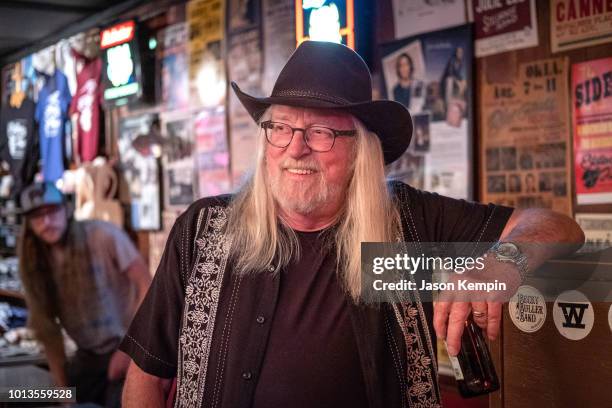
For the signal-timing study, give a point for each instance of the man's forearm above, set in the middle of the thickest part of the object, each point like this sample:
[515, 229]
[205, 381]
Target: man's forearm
[143, 390]
[56, 358]
[543, 235]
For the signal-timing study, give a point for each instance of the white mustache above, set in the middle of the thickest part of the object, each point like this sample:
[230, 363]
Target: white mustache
[293, 164]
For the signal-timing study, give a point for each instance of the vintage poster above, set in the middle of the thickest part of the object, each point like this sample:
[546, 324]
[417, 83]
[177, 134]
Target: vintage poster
[205, 20]
[431, 75]
[418, 16]
[503, 25]
[177, 160]
[526, 137]
[278, 39]
[597, 230]
[592, 114]
[174, 83]
[212, 156]
[579, 23]
[140, 170]
[245, 68]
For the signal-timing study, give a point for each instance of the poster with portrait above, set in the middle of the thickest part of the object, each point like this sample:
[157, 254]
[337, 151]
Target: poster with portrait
[503, 25]
[177, 160]
[579, 24]
[412, 17]
[526, 137]
[243, 14]
[212, 156]
[278, 39]
[140, 170]
[174, 77]
[431, 75]
[206, 24]
[245, 68]
[592, 116]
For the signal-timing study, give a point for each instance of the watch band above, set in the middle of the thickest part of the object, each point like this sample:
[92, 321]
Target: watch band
[511, 252]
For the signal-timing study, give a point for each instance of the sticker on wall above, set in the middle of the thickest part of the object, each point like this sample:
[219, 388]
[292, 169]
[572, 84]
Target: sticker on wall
[527, 309]
[573, 315]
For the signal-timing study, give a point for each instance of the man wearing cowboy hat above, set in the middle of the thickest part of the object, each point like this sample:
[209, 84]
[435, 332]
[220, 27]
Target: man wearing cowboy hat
[257, 299]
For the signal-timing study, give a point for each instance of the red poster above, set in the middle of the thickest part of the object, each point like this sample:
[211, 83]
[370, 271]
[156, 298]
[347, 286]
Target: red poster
[592, 114]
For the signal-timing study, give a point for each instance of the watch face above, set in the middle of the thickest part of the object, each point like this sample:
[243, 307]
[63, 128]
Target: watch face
[508, 249]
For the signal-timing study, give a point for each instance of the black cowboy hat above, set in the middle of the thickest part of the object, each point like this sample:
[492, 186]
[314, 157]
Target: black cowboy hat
[328, 75]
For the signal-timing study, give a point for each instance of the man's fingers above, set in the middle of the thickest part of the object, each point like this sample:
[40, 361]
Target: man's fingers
[494, 319]
[441, 310]
[480, 314]
[456, 323]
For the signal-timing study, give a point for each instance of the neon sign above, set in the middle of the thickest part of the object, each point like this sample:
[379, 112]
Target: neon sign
[119, 34]
[121, 57]
[325, 20]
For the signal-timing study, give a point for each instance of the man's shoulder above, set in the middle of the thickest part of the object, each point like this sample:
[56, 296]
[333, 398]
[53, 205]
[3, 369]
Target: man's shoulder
[194, 209]
[97, 230]
[189, 218]
[405, 193]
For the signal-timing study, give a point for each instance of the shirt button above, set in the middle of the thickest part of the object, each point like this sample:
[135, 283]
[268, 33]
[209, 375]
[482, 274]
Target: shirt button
[260, 319]
[246, 375]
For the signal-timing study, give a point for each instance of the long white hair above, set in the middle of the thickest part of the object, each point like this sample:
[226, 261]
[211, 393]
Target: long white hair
[261, 238]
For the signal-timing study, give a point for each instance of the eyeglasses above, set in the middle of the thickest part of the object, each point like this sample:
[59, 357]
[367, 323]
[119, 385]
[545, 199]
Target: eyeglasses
[317, 138]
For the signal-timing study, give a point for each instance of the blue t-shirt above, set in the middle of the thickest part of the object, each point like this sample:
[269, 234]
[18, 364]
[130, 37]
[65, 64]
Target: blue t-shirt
[51, 115]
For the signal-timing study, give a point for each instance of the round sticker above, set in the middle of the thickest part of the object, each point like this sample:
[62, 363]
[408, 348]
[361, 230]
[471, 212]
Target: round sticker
[573, 315]
[527, 309]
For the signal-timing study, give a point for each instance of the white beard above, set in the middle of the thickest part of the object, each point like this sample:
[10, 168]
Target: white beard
[303, 198]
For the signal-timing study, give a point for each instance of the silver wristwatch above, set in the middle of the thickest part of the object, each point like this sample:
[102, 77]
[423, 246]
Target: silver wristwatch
[510, 252]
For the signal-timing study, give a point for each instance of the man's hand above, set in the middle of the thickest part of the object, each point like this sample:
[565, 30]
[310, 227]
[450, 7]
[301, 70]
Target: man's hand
[118, 365]
[552, 233]
[453, 307]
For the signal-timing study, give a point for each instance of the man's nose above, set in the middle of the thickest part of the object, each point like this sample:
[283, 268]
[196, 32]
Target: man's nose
[298, 147]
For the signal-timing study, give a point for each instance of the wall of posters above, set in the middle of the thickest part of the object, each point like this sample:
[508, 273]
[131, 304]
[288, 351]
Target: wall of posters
[177, 160]
[245, 68]
[419, 16]
[212, 156]
[278, 39]
[205, 19]
[504, 25]
[592, 114]
[431, 75]
[579, 23]
[140, 171]
[525, 138]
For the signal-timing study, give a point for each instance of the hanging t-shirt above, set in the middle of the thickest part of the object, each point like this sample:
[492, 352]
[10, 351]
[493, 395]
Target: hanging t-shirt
[51, 114]
[18, 144]
[86, 104]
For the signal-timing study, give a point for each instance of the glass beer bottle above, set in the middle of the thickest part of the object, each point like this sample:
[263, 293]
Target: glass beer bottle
[473, 366]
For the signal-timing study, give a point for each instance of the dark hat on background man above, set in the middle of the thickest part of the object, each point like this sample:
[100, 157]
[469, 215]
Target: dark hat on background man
[326, 75]
[39, 195]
